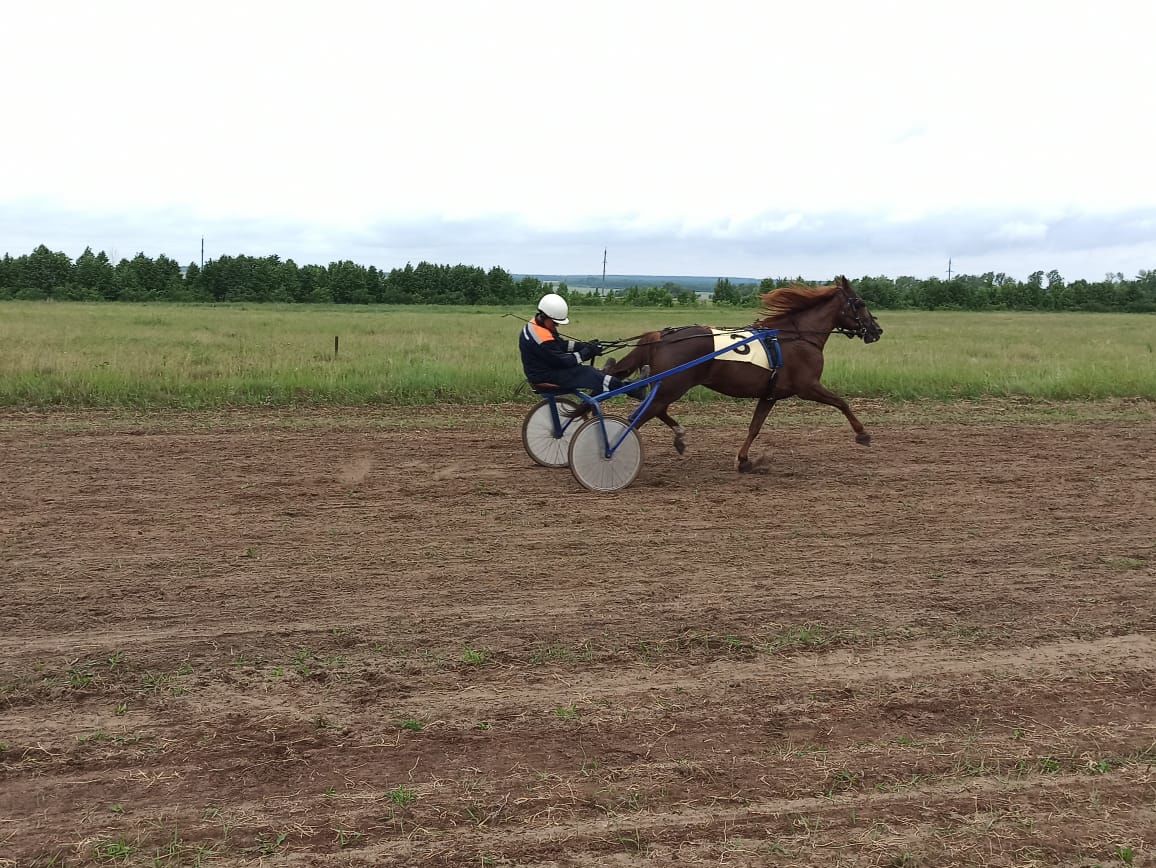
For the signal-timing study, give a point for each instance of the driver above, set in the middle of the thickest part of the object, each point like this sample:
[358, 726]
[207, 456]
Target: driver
[550, 360]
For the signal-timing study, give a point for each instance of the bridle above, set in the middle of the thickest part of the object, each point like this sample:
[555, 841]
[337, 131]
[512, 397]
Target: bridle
[853, 306]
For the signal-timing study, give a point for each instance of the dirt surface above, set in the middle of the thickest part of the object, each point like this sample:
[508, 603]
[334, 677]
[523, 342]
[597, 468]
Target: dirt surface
[231, 640]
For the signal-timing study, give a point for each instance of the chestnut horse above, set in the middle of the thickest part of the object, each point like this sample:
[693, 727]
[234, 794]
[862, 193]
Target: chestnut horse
[805, 317]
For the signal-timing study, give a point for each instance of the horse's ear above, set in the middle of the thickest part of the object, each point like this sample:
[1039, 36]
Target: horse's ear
[842, 281]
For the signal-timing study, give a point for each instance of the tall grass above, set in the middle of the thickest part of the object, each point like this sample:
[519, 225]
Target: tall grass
[196, 356]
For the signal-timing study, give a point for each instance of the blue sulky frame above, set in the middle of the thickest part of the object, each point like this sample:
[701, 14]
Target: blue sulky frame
[560, 424]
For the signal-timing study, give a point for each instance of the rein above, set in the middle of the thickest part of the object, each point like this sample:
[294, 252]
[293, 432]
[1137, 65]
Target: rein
[618, 344]
[795, 334]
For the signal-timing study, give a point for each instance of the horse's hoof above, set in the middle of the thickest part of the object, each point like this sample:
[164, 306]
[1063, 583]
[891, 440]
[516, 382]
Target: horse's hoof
[863, 439]
[744, 466]
[680, 445]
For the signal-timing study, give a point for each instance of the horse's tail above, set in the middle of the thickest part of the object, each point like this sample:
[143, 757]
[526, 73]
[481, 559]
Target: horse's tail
[637, 357]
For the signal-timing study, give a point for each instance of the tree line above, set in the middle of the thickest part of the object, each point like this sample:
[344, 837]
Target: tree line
[45, 274]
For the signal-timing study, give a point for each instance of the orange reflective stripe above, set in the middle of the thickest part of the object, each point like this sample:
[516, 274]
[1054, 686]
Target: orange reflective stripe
[539, 333]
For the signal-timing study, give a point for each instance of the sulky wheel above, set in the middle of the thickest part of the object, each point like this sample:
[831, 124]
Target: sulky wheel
[588, 461]
[541, 439]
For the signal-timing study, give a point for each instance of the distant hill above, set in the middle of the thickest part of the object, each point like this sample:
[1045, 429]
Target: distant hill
[625, 281]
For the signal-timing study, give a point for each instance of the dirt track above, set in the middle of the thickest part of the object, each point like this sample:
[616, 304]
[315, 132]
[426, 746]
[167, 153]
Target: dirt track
[357, 645]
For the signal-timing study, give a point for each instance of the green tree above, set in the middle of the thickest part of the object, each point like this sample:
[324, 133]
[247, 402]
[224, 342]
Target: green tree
[315, 284]
[349, 283]
[724, 293]
[11, 275]
[47, 273]
[1146, 290]
[1056, 295]
[501, 287]
[221, 278]
[140, 274]
[906, 291]
[167, 281]
[194, 286]
[527, 290]
[399, 286]
[376, 283]
[878, 291]
[657, 296]
[95, 273]
[128, 283]
[1033, 291]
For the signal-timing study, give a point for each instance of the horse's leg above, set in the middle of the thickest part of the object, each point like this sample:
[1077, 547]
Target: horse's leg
[742, 461]
[679, 431]
[821, 395]
[659, 410]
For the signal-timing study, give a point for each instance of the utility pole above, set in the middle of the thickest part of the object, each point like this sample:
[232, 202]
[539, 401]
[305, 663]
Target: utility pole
[603, 271]
[949, 268]
[202, 253]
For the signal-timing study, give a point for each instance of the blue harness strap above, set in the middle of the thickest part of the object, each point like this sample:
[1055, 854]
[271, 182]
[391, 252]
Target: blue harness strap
[775, 358]
[774, 351]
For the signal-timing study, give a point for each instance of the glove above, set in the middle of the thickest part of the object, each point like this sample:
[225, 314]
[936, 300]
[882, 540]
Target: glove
[596, 349]
[588, 351]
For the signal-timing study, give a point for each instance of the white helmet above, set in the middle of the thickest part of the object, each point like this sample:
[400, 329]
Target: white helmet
[555, 307]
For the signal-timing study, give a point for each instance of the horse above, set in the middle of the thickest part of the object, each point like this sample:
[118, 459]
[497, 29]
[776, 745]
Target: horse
[805, 317]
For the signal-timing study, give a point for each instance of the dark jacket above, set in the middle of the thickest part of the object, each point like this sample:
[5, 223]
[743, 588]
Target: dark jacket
[545, 352]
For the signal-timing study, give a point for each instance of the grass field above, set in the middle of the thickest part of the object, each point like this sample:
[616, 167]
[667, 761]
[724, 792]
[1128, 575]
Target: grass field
[162, 356]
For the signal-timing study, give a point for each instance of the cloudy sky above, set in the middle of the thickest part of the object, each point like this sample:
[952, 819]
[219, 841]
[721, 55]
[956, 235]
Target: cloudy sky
[746, 139]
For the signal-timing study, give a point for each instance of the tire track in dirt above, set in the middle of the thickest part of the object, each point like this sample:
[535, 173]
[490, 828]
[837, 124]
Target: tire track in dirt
[931, 652]
[590, 842]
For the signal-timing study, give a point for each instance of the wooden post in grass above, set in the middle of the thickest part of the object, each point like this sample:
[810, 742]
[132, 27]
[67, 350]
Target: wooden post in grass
[335, 346]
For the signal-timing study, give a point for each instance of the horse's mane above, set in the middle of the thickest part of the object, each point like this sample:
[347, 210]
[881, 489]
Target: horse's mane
[793, 298]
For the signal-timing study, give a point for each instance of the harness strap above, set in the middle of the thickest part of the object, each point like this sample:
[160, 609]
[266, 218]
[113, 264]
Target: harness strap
[774, 352]
[771, 383]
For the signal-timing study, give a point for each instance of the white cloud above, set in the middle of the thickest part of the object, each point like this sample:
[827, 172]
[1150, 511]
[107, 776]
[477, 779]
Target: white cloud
[608, 120]
[1021, 231]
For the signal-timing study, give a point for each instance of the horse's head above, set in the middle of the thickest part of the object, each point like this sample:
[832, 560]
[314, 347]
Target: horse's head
[854, 318]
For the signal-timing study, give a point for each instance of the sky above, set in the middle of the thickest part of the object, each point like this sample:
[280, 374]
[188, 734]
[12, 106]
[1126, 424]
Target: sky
[741, 139]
